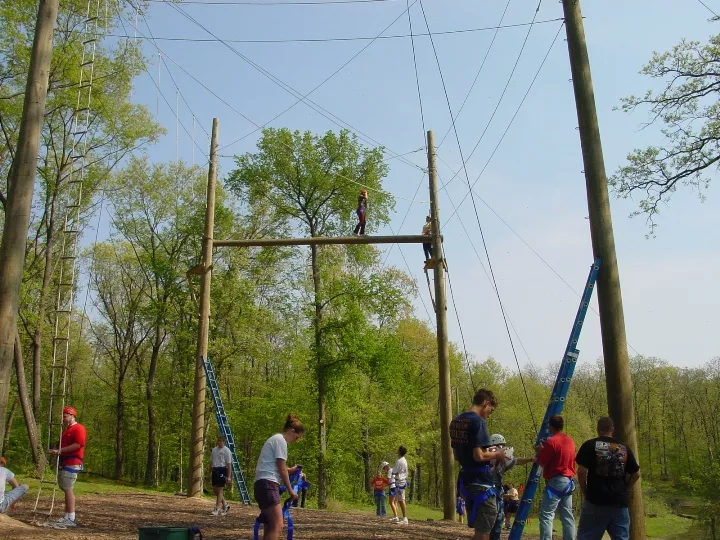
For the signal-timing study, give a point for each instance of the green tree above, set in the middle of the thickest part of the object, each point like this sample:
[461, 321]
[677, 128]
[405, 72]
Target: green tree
[115, 128]
[688, 110]
[311, 183]
[164, 237]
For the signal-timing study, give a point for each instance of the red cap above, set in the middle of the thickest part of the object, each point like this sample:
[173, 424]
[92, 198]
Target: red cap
[3, 461]
[70, 410]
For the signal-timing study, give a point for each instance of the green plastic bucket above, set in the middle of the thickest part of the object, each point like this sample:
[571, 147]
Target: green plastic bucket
[166, 533]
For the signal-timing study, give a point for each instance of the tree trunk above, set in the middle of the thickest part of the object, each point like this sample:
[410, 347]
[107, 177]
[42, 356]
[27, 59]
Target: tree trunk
[367, 466]
[32, 429]
[21, 185]
[37, 337]
[418, 482]
[119, 418]
[322, 390]
[149, 390]
[8, 423]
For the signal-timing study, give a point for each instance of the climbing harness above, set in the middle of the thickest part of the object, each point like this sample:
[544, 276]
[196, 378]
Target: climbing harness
[298, 484]
[552, 492]
[473, 501]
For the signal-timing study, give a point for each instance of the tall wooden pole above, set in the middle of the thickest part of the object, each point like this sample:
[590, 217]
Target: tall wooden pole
[21, 185]
[197, 435]
[612, 320]
[445, 393]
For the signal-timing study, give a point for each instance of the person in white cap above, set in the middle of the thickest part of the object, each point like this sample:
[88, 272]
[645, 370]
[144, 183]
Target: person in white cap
[71, 454]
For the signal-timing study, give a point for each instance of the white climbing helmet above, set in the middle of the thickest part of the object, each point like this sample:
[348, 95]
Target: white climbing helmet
[497, 439]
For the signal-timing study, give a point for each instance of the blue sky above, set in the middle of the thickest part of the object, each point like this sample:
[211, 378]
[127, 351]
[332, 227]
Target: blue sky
[533, 180]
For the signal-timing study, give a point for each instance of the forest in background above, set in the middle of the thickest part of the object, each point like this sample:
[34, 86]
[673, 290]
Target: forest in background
[132, 355]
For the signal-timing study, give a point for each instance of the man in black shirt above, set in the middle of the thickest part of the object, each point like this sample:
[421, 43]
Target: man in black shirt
[607, 469]
[471, 446]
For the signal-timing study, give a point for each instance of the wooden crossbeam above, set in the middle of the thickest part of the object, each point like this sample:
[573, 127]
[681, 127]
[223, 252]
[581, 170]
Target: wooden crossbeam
[324, 240]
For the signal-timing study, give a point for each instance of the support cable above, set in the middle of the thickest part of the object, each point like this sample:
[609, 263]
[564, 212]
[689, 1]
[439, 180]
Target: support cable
[342, 39]
[504, 91]
[708, 8]
[507, 129]
[477, 75]
[422, 120]
[162, 56]
[161, 94]
[482, 234]
[295, 93]
[345, 178]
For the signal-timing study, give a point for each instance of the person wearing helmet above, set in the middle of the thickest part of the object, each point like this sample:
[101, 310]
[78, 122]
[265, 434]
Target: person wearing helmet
[71, 454]
[361, 211]
[12, 496]
[504, 505]
[379, 483]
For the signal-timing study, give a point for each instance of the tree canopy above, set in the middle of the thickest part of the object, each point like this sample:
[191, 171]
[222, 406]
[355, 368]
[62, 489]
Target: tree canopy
[688, 110]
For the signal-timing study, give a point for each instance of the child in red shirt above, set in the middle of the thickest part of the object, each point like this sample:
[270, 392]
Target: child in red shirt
[379, 483]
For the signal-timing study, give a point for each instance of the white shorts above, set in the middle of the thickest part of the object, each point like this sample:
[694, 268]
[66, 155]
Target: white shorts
[400, 493]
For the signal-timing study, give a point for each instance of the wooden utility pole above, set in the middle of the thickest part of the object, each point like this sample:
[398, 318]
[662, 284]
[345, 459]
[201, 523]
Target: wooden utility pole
[197, 435]
[612, 320]
[21, 184]
[445, 393]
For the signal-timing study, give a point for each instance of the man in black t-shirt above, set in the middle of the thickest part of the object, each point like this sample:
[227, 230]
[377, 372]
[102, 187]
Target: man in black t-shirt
[471, 446]
[607, 469]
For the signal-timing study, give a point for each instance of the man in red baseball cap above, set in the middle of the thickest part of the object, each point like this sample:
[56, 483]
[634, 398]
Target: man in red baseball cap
[70, 454]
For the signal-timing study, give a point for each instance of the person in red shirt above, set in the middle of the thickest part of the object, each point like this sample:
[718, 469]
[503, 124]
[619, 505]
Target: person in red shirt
[557, 458]
[70, 454]
[379, 483]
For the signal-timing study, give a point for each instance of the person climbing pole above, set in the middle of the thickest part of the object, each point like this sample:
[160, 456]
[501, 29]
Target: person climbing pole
[361, 211]
[427, 231]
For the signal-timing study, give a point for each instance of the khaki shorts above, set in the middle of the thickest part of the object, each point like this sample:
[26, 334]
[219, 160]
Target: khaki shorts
[480, 517]
[66, 479]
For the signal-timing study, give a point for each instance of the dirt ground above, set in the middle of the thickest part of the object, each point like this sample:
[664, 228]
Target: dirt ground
[120, 515]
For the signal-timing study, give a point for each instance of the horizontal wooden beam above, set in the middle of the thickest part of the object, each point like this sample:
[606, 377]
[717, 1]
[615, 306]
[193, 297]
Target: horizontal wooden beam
[324, 240]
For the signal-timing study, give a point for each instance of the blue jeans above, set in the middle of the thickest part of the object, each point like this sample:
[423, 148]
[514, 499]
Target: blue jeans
[596, 519]
[380, 508]
[11, 497]
[564, 506]
[499, 520]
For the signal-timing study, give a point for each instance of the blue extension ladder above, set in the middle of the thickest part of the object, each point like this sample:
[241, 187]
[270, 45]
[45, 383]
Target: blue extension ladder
[557, 401]
[225, 430]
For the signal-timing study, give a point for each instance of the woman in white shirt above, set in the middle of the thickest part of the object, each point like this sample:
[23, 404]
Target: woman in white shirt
[271, 471]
